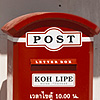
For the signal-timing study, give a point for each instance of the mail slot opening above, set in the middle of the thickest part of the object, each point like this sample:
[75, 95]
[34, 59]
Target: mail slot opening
[53, 65]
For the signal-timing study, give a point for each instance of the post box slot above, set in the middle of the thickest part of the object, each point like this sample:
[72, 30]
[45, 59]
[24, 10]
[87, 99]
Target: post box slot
[53, 67]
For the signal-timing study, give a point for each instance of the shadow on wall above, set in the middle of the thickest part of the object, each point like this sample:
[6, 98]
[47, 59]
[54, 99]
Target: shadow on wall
[3, 52]
[96, 65]
[3, 91]
[3, 43]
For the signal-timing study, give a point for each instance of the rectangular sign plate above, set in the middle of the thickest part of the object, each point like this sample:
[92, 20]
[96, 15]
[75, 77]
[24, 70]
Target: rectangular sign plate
[53, 80]
[54, 39]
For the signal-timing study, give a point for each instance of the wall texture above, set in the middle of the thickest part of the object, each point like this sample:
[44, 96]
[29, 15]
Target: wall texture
[9, 9]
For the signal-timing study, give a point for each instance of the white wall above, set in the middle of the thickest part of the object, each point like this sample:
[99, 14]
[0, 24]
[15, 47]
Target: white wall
[9, 9]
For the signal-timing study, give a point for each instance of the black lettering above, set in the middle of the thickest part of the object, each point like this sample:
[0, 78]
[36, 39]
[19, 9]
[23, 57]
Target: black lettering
[70, 79]
[36, 38]
[46, 39]
[70, 36]
[37, 79]
[59, 37]
[65, 78]
[49, 79]
[57, 79]
[61, 78]
[43, 79]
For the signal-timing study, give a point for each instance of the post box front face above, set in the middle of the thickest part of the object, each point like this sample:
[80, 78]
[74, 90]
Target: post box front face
[53, 61]
[48, 73]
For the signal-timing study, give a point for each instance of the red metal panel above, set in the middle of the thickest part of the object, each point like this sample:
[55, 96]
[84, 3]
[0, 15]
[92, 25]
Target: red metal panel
[25, 22]
[83, 73]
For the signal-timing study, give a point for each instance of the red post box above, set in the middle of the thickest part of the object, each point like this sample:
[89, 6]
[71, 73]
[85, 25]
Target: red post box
[50, 57]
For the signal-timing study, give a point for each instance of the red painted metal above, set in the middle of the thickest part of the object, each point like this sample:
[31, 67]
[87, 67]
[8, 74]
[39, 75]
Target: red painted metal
[25, 23]
[24, 57]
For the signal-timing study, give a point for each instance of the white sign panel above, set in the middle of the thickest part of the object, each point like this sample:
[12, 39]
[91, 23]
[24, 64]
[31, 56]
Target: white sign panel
[54, 39]
[53, 80]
